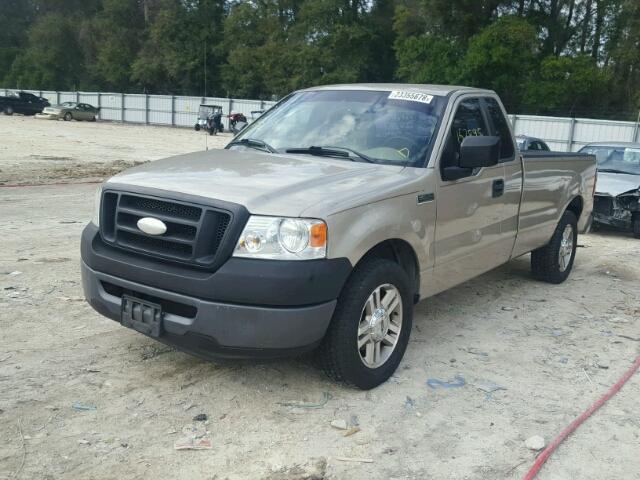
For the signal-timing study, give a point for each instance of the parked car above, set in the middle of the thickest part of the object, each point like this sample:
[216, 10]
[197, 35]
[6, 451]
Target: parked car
[322, 224]
[209, 119]
[531, 143]
[617, 199]
[22, 102]
[70, 111]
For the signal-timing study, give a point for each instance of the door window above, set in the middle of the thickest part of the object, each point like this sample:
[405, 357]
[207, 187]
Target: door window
[468, 121]
[502, 130]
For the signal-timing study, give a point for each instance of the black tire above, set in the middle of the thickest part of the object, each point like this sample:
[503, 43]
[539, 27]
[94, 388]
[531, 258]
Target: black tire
[197, 127]
[545, 261]
[338, 355]
[636, 226]
[67, 117]
[8, 110]
[212, 131]
[92, 119]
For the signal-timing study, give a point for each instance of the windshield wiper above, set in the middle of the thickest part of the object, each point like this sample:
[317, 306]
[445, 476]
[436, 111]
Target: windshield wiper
[343, 152]
[613, 170]
[254, 143]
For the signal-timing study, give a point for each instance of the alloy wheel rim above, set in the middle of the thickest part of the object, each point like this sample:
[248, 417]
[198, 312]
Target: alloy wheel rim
[566, 248]
[380, 325]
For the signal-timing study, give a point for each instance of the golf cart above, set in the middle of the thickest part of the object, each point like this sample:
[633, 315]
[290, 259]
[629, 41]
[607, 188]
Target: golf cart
[209, 119]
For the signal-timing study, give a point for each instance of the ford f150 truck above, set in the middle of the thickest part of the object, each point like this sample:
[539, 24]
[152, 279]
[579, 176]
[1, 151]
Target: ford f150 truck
[322, 224]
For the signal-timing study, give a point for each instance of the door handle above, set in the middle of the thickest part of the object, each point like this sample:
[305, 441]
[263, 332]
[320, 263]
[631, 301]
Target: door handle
[498, 188]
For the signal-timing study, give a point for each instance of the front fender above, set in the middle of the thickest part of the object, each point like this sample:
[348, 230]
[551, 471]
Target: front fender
[353, 233]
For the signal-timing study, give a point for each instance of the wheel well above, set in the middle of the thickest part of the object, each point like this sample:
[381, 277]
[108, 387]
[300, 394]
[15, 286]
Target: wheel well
[403, 254]
[575, 206]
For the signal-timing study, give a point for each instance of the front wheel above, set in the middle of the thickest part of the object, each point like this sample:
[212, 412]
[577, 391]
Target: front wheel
[370, 328]
[636, 225]
[67, 116]
[8, 110]
[553, 262]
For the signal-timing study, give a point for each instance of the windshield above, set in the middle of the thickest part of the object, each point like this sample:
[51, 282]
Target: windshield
[620, 159]
[386, 127]
[68, 104]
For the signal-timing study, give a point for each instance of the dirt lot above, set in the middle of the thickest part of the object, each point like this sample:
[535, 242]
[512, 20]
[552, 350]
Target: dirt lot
[36, 151]
[547, 352]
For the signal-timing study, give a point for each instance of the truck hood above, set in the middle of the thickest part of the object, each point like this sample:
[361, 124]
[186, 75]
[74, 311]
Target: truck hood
[614, 184]
[269, 184]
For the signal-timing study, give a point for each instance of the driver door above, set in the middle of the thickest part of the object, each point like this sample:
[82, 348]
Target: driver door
[469, 210]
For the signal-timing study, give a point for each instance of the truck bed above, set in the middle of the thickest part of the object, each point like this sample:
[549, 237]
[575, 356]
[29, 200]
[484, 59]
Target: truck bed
[551, 180]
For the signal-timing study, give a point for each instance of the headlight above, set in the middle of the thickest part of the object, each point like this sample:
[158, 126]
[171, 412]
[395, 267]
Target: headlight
[283, 239]
[96, 207]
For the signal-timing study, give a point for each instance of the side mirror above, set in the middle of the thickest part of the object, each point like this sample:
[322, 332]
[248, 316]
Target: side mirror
[478, 152]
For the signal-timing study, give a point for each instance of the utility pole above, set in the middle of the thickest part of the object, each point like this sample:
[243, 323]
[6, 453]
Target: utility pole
[205, 68]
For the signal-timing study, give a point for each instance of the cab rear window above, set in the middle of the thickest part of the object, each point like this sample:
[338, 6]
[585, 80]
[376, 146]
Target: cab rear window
[502, 129]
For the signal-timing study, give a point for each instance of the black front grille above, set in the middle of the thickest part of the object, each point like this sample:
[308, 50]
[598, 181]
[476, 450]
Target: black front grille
[151, 205]
[603, 205]
[195, 233]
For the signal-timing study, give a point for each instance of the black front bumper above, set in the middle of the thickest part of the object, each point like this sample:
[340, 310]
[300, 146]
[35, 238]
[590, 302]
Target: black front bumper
[246, 308]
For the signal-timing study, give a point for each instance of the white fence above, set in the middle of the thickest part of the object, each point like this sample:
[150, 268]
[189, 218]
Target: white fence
[151, 109]
[562, 134]
[571, 134]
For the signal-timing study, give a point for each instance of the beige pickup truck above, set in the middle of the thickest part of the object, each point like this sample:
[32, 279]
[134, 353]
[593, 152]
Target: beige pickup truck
[322, 224]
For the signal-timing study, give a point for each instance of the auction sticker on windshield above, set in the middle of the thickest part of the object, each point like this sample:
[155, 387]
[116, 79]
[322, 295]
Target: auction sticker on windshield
[410, 96]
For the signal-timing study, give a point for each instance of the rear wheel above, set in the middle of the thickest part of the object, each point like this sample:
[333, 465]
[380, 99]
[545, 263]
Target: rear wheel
[8, 110]
[553, 262]
[370, 328]
[67, 116]
[197, 127]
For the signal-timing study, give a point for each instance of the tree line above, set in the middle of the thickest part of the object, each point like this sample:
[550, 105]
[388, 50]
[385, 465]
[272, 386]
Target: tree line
[556, 57]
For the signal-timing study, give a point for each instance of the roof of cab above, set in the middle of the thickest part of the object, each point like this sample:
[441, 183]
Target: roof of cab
[411, 87]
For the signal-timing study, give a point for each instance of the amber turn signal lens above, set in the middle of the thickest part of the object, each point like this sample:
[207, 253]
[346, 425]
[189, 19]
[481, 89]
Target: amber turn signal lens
[318, 237]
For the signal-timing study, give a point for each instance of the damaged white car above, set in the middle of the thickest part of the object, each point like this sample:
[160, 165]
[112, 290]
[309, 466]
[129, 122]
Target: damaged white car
[617, 198]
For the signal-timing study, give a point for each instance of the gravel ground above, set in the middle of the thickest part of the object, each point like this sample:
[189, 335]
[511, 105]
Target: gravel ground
[543, 352]
[46, 151]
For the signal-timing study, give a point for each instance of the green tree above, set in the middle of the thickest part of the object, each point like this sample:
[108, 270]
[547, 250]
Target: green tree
[182, 48]
[502, 57]
[625, 57]
[52, 58]
[568, 86]
[118, 32]
[422, 55]
[16, 17]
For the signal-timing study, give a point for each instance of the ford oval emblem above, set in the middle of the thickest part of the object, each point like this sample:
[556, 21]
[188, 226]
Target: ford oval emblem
[152, 226]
